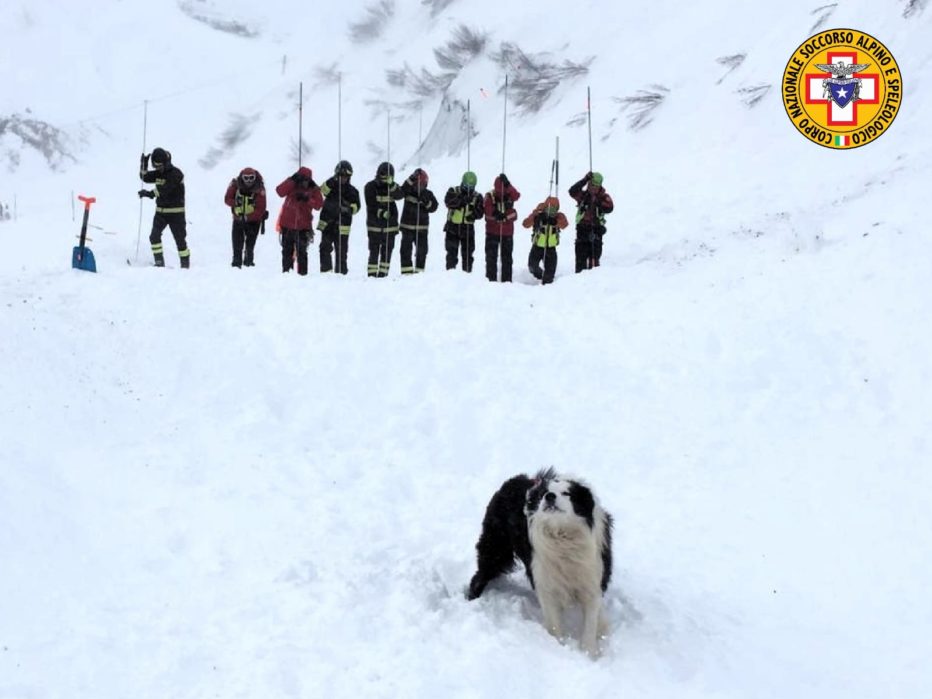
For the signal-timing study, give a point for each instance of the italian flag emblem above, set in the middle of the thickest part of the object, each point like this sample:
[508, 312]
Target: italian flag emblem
[842, 140]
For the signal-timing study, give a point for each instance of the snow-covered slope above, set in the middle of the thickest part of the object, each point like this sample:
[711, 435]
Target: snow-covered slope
[229, 483]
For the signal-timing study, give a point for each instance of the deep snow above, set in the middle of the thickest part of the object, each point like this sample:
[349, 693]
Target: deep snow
[236, 483]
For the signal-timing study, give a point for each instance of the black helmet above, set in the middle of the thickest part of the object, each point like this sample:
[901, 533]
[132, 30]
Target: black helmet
[343, 168]
[160, 156]
[385, 170]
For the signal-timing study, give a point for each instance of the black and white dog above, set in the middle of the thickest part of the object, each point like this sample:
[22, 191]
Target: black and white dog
[555, 526]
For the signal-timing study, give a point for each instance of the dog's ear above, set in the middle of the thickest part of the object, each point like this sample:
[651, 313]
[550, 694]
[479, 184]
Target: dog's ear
[534, 494]
[583, 502]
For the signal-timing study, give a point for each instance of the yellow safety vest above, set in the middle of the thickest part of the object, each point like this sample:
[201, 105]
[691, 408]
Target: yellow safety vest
[547, 235]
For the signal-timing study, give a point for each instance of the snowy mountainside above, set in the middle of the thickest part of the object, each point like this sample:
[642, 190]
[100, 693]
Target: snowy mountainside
[240, 483]
[226, 100]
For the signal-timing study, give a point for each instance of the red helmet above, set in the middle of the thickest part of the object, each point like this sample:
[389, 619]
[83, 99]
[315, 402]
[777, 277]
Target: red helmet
[249, 177]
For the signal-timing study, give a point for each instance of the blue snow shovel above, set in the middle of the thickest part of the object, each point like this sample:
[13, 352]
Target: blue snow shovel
[81, 256]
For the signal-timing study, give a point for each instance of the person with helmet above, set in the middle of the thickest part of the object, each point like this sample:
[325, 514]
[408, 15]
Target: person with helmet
[296, 220]
[341, 202]
[547, 221]
[382, 218]
[246, 198]
[463, 204]
[420, 202]
[593, 203]
[169, 204]
[500, 217]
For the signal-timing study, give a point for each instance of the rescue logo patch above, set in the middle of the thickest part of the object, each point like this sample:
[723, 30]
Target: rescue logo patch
[842, 88]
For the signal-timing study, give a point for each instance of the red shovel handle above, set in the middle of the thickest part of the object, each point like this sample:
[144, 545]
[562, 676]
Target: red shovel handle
[87, 200]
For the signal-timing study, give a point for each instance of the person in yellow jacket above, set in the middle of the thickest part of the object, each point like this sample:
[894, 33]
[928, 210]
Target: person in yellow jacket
[464, 206]
[547, 221]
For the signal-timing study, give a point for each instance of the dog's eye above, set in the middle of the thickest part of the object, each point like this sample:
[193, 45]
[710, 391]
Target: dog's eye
[567, 493]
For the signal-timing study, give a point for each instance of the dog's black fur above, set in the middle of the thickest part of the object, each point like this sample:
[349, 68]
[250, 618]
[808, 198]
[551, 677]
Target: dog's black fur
[505, 536]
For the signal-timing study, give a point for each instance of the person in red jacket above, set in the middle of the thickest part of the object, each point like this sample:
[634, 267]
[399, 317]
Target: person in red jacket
[593, 203]
[500, 217]
[296, 220]
[246, 198]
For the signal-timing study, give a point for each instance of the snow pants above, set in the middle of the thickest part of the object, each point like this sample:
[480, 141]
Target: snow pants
[294, 247]
[413, 241]
[244, 237]
[462, 244]
[492, 245]
[381, 245]
[331, 240]
[588, 249]
[176, 223]
[546, 255]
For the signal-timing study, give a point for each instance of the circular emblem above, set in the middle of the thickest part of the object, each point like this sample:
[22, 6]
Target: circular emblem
[842, 88]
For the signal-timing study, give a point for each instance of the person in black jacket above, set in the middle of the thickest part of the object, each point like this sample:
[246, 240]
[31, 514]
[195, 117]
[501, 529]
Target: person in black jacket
[382, 218]
[169, 203]
[420, 202]
[341, 202]
[464, 206]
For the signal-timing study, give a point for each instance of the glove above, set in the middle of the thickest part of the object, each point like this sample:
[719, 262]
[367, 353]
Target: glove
[504, 178]
[588, 177]
[143, 162]
[499, 215]
[301, 196]
[238, 198]
[346, 210]
[297, 178]
[146, 194]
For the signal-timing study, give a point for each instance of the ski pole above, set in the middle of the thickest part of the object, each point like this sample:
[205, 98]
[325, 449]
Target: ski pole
[589, 119]
[468, 134]
[145, 118]
[417, 219]
[557, 161]
[556, 192]
[340, 117]
[504, 122]
[339, 241]
[300, 122]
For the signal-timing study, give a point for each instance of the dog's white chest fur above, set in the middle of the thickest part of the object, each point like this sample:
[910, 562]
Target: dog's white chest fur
[567, 568]
[567, 561]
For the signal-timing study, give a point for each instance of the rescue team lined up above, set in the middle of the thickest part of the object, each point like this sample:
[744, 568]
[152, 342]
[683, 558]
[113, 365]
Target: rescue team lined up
[338, 201]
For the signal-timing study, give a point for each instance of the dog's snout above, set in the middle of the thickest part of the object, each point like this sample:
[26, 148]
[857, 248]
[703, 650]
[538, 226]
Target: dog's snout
[550, 497]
